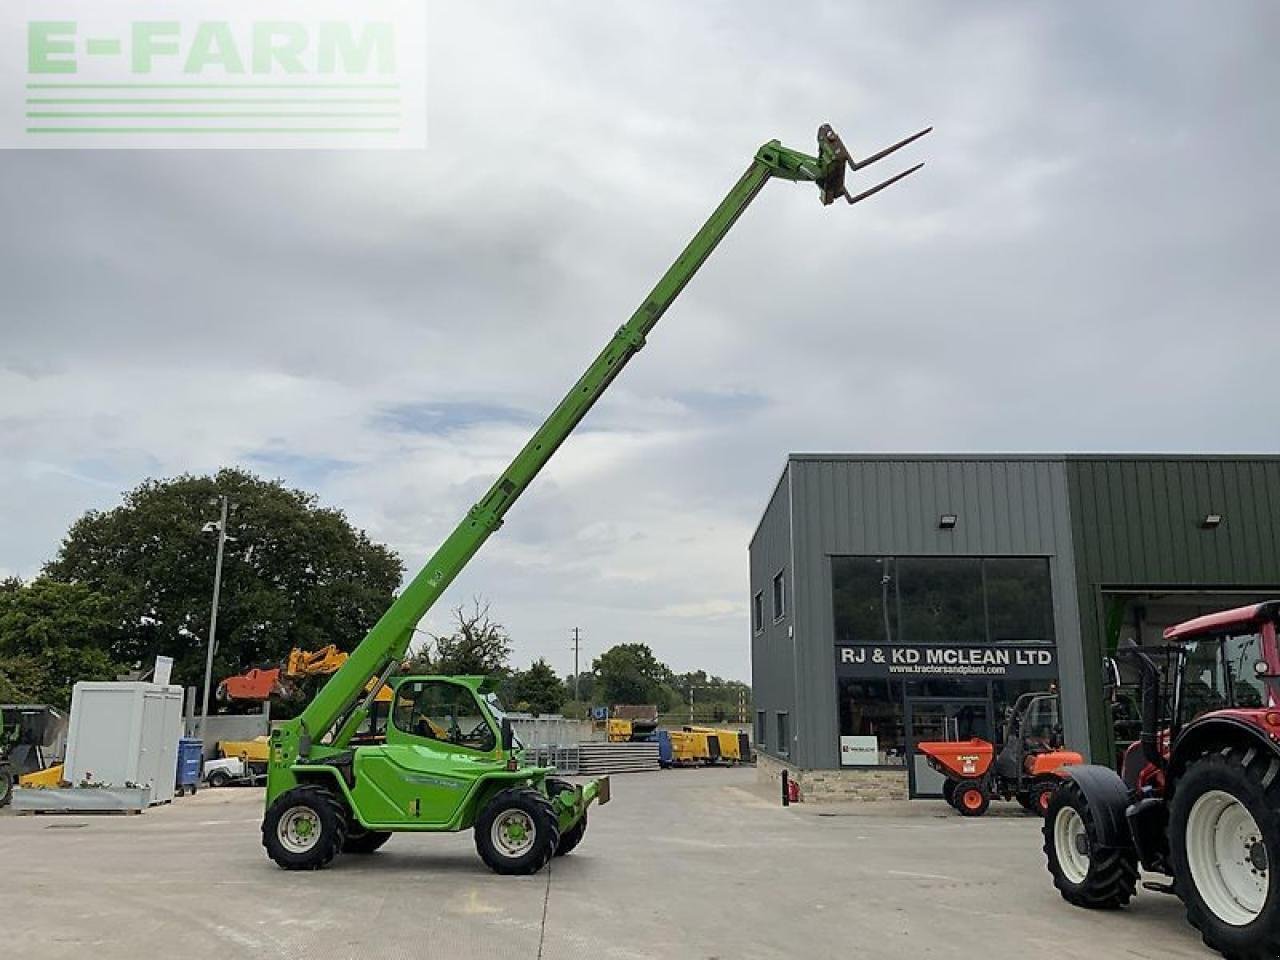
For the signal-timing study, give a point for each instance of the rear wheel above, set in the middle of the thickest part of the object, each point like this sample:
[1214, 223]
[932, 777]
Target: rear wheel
[972, 798]
[366, 841]
[219, 778]
[517, 832]
[1041, 796]
[1224, 827]
[949, 792]
[573, 836]
[1086, 872]
[305, 828]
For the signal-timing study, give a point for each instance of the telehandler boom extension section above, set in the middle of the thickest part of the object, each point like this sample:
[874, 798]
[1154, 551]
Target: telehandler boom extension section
[335, 709]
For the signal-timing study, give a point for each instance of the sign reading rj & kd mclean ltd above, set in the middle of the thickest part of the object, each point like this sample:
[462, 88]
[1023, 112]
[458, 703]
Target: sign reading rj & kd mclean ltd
[885, 660]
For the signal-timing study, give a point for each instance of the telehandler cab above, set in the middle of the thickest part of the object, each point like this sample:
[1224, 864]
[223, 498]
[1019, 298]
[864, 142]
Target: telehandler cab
[448, 760]
[1200, 797]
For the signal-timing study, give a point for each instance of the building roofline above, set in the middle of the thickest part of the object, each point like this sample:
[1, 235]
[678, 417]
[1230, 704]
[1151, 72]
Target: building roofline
[772, 493]
[1035, 457]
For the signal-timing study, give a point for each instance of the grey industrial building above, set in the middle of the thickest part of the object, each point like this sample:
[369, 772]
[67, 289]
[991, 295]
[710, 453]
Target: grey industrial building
[896, 599]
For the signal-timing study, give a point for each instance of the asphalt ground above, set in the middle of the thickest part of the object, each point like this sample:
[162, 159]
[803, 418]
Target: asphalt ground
[698, 864]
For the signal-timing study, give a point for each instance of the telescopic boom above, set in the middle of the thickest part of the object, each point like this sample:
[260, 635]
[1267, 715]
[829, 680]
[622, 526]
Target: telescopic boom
[388, 641]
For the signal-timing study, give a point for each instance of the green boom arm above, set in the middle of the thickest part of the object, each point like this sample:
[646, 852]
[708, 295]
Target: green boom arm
[388, 641]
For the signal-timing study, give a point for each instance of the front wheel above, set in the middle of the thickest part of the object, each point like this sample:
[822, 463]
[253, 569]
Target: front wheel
[219, 778]
[971, 798]
[949, 792]
[1224, 830]
[573, 836]
[1086, 871]
[305, 828]
[517, 832]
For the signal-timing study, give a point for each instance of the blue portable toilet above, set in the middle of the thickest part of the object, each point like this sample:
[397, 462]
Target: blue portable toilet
[190, 753]
[665, 755]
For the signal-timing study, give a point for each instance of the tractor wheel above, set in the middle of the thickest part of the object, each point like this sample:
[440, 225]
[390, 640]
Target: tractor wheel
[219, 778]
[573, 836]
[1224, 834]
[366, 841]
[949, 792]
[1026, 801]
[6, 786]
[1086, 873]
[305, 828]
[517, 832]
[972, 798]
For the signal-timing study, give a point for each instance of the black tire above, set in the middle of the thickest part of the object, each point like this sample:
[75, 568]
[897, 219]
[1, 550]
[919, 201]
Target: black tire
[6, 786]
[1111, 877]
[534, 815]
[219, 778]
[326, 833]
[1041, 796]
[366, 841]
[1252, 778]
[1026, 801]
[949, 792]
[972, 798]
[573, 836]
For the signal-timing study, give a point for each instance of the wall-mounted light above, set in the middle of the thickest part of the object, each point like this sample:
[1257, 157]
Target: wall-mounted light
[947, 521]
[1211, 521]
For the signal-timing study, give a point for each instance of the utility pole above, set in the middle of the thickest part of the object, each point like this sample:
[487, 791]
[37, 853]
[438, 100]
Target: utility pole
[213, 613]
[576, 683]
[691, 689]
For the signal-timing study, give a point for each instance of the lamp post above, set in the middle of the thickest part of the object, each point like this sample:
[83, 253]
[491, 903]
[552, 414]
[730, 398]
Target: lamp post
[213, 613]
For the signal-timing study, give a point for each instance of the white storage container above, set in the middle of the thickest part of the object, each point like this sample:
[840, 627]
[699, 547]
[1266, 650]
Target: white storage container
[125, 733]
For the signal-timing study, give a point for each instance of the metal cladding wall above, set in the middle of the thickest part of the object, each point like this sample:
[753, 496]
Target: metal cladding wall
[1136, 523]
[889, 506]
[773, 674]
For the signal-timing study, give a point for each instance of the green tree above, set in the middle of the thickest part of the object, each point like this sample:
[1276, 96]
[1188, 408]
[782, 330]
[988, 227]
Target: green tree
[295, 574]
[537, 690]
[630, 673]
[51, 635]
[477, 645]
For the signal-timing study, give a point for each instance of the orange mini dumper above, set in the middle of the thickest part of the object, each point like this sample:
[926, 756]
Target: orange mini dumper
[1028, 767]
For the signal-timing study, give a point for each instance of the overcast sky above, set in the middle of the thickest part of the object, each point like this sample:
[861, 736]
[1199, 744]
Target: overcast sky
[1087, 262]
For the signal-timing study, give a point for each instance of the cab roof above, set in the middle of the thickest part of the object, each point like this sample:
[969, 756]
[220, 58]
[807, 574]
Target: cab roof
[1224, 621]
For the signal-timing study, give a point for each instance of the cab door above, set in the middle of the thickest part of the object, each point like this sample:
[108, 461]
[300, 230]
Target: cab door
[438, 742]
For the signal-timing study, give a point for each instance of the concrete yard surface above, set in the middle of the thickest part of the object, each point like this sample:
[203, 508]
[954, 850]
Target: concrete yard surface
[696, 864]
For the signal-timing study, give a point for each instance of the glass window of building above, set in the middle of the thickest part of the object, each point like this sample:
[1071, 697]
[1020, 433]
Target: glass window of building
[941, 600]
[779, 595]
[757, 612]
[760, 728]
[784, 734]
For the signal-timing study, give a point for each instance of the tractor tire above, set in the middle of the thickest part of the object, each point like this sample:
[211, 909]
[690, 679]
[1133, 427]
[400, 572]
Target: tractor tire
[305, 828]
[1026, 801]
[949, 792]
[6, 786]
[1224, 835]
[573, 836]
[1086, 873]
[972, 798]
[219, 778]
[517, 832]
[366, 841]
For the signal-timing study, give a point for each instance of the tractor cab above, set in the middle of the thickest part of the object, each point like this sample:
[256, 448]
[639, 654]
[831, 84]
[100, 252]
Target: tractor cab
[1032, 727]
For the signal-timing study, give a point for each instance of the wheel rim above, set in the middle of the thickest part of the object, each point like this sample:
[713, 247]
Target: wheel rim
[299, 829]
[972, 799]
[1042, 801]
[1227, 858]
[1071, 841]
[513, 833]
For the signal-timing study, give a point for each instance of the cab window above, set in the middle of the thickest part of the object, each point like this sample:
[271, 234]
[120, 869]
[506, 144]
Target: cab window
[446, 712]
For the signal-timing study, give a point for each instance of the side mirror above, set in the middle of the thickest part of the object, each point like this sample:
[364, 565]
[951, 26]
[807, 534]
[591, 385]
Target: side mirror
[508, 735]
[1110, 678]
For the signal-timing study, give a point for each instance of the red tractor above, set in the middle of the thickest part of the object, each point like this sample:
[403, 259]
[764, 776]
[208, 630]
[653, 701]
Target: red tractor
[1028, 767]
[1199, 799]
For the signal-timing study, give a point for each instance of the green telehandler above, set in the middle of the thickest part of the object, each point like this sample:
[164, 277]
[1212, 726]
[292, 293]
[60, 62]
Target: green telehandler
[445, 758]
